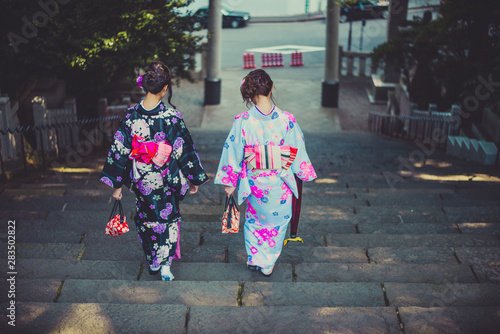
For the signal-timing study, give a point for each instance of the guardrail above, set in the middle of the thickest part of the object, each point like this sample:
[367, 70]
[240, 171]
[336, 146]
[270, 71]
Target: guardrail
[413, 128]
[77, 138]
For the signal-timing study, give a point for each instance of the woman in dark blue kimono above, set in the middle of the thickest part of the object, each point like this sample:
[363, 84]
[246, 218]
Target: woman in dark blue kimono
[153, 155]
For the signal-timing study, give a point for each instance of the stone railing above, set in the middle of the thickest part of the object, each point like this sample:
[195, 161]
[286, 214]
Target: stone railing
[355, 63]
[411, 128]
[56, 137]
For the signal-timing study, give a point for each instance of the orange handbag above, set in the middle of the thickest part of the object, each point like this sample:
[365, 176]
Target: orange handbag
[117, 224]
[231, 217]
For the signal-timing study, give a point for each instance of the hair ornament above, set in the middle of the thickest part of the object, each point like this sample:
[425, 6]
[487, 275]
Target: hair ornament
[139, 80]
[242, 82]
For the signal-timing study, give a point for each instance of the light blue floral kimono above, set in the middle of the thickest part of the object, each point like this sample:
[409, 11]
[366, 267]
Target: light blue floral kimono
[268, 193]
[158, 189]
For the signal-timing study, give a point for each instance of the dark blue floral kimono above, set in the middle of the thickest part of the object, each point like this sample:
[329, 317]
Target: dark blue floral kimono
[158, 189]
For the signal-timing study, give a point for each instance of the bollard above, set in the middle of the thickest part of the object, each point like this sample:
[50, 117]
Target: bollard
[248, 61]
[297, 59]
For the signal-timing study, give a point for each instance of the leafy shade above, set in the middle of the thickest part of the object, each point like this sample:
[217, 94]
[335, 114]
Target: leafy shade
[456, 49]
[89, 42]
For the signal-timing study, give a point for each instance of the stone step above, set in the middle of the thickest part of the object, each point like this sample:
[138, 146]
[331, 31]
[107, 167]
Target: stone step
[450, 319]
[96, 318]
[128, 292]
[441, 295]
[342, 219]
[298, 319]
[408, 228]
[293, 253]
[284, 272]
[61, 251]
[129, 318]
[382, 273]
[227, 293]
[344, 234]
[409, 240]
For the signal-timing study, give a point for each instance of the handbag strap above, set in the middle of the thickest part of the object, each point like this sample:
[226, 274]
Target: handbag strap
[120, 210]
[233, 202]
[117, 206]
[230, 201]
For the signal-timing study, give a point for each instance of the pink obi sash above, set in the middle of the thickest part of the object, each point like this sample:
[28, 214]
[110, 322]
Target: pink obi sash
[150, 152]
[270, 156]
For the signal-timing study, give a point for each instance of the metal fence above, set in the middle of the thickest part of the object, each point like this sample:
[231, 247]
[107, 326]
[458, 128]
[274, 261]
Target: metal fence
[413, 128]
[54, 141]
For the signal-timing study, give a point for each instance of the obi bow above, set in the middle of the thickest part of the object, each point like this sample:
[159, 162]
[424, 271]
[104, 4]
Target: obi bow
[270, 156]
[149, 152]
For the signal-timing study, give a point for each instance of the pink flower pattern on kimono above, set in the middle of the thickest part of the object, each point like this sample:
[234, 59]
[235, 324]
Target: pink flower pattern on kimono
[259, 193]
[264, 235]
[287, 192]
[290, 116]
[251, 209]
[231, 178]
[307, 171]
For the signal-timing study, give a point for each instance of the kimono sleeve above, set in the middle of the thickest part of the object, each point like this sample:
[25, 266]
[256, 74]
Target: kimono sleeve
[231, 161]
[301, 166]
[185, 154]
[116, 168]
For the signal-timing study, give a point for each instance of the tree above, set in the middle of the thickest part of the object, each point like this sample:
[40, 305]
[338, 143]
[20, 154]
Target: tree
[454, 50]
[89, 42]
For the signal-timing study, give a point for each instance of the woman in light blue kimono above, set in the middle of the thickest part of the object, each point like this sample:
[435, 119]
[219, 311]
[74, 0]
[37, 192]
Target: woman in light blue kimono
[263, 151]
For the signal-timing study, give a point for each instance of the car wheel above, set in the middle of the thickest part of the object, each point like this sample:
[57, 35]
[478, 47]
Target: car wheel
[235, 24]
[343, 18]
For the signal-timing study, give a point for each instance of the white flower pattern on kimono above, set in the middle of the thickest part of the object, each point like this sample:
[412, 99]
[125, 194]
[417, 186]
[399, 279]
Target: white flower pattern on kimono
[177, 147]
[153, 180]
[140, 127]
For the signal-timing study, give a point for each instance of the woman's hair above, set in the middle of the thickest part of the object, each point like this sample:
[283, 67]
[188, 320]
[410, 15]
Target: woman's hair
[157, 76]
[257, 82]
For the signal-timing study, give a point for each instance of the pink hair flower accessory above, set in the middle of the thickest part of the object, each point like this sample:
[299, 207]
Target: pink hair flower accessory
[139, 81]
[242, 82]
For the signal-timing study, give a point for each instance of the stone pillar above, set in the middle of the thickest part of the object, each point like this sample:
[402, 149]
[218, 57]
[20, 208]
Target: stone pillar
[70, 104]
[213, 81]
[398, 10]
[41, 117]
[102, 107]
[330, 84]
[10, 142]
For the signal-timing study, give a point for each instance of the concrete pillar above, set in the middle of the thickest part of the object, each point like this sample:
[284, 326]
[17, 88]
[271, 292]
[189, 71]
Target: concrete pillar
[330, 84]
[213, 81]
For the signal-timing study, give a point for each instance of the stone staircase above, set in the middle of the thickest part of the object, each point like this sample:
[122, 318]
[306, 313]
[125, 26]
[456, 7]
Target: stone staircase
[479, 151]
[422, 257]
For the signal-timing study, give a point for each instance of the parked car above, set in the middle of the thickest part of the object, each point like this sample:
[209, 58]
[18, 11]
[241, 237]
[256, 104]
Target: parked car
[359, 10]
[230, 18]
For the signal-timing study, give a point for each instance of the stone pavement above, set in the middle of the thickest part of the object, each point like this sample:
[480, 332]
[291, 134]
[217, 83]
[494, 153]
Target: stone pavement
[420, 255]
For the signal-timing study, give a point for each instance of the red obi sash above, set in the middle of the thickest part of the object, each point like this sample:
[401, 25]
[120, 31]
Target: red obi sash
[150, 152]
[270, 156]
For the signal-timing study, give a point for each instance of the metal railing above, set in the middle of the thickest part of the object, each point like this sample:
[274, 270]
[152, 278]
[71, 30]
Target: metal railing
[413, 128]
[69, 136]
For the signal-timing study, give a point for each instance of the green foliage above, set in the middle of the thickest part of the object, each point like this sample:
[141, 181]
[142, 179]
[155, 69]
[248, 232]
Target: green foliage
[458, 48]
[87, 42]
